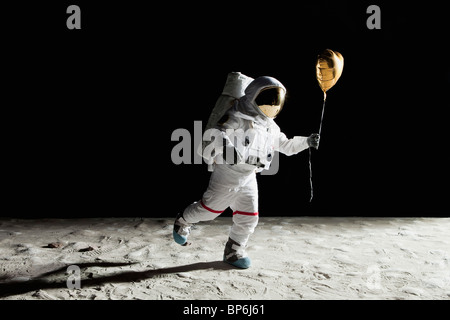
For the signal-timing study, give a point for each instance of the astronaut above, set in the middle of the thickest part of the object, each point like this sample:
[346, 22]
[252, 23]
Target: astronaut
[248, 139]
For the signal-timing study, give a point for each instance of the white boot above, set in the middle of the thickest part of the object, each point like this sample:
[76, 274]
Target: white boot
[181, 230]
[235, 255]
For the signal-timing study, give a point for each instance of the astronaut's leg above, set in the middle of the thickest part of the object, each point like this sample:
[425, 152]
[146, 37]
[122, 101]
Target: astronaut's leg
[245, 219]
[215, 200]
[244, 224]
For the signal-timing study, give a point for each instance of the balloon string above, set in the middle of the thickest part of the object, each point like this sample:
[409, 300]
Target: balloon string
[310, 166]
[321, 118]
[310, 177]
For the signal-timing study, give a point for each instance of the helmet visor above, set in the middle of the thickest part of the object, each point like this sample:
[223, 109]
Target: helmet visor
[270, 101]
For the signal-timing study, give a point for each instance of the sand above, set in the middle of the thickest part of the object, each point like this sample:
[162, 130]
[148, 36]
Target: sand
[293, 258]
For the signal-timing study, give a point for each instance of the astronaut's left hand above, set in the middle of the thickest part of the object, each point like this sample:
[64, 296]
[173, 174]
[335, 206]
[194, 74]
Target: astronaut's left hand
[313, 140]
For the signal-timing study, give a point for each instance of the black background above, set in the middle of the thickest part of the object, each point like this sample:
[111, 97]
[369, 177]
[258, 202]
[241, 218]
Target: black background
[87, 115]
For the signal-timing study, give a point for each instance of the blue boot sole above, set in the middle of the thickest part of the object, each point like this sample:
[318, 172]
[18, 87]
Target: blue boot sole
[243, 263]
[179, 239]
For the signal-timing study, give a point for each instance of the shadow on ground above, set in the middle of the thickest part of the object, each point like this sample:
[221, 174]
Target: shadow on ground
[14, 287]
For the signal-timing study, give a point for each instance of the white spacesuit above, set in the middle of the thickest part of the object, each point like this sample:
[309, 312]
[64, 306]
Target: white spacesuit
[250, 137]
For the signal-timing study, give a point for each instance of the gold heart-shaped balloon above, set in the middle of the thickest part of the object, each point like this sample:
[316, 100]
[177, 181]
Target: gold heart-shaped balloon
[329, 68]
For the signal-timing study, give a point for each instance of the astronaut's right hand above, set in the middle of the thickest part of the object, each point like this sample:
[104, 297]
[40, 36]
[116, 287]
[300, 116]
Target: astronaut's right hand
[313, 140]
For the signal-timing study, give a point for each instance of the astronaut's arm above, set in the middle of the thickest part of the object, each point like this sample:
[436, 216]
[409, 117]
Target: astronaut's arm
[221, 149]
[297, 144]
[232, 154]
